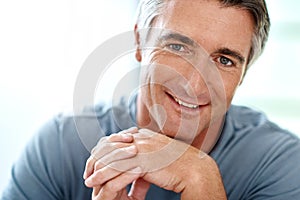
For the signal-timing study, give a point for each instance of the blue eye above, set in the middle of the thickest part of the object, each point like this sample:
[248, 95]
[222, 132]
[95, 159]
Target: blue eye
[225, 61]
[176, 47]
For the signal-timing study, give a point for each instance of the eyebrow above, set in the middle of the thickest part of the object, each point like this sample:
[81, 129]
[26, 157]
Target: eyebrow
[179, 37]
[189, 41]
[232, 53]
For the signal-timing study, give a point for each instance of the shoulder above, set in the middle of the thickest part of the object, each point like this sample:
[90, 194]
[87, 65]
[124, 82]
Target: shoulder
[53, 161]
[95, 122]
[242, 121]
[258, 156]
[69, 131]
[249, 130]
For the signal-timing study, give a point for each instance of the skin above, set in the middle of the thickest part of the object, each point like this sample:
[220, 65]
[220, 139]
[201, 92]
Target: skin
[173, 135]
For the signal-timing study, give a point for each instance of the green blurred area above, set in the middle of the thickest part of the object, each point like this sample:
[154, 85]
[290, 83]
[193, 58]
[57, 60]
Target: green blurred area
[289, 108]
[272, 83]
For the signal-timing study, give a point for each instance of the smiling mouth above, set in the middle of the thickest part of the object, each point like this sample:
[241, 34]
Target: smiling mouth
[185, 104]
[182, 103]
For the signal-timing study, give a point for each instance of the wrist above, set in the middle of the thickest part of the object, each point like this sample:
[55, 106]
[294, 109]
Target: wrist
[204, 180]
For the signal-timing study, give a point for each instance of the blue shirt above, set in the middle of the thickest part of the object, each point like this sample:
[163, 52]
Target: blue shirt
[256, 158]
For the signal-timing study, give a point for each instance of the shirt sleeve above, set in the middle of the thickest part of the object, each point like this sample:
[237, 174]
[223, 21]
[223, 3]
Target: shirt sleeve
[278, 176]
[257, 159]
[52, 164]
[36, 174]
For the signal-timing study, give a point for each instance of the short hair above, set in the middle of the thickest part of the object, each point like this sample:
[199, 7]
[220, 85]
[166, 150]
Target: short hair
[149, 9]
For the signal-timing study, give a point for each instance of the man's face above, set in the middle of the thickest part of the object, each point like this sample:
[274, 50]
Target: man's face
[188, 80]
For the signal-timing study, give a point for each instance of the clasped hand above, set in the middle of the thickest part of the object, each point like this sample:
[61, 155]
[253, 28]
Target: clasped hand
[142, 157]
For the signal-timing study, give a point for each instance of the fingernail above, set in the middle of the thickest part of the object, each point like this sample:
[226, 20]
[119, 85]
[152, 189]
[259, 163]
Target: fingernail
[136, 170]
[127, 135]
[132, 129]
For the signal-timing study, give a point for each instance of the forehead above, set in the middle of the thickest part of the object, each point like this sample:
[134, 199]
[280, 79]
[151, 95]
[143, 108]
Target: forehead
[208, 21]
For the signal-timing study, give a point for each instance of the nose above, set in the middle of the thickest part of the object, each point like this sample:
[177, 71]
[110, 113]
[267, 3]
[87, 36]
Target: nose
[196, 85]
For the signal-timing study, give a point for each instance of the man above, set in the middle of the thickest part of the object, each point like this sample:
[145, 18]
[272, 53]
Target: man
[190, 143]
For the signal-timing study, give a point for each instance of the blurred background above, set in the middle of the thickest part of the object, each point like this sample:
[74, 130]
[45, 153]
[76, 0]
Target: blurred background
[43, 44]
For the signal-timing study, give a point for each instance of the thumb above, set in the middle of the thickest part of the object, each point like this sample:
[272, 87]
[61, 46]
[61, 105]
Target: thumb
[139, 189]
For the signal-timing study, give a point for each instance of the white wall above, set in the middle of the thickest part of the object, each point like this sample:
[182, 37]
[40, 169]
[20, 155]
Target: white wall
[44, 43]
[42, 47]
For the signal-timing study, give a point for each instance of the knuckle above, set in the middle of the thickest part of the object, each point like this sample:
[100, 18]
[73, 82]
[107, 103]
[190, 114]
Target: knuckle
[118, 145]
[102, 139]
[90, 163]
[98, 165]
[91, 160]
[98, 151]
[107, 195]
[112, 187]
[95, 150]
[98, 177]
[100, 142]
[112, 137]
[96, 155]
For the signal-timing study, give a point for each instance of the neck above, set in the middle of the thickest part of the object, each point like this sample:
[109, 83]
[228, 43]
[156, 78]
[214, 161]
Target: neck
[209, 137]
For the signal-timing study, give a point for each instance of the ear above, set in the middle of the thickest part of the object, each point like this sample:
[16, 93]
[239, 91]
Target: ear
[138, 54]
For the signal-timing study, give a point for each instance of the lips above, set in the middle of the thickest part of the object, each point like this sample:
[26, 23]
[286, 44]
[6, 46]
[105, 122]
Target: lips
[185, 104]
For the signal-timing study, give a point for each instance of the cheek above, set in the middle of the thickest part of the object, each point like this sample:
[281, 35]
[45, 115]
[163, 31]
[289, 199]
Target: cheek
[161, 68]
[231, 83]
[148, 69]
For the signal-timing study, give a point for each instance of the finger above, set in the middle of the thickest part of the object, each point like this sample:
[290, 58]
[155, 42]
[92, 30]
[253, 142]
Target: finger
[131, 130]
[108, 144]
[122, 136]
[113, 187]
[98, 152]
[121, 195]
[139, 189]
[96, 190]
[89, 167]
[117, 154]
[94, 163]
[106, 171]
[105, 146]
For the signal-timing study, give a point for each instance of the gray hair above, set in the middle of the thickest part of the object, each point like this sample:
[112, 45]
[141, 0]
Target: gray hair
[149, 9]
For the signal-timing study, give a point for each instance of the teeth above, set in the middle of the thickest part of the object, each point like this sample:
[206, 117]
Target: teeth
[186, 104]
